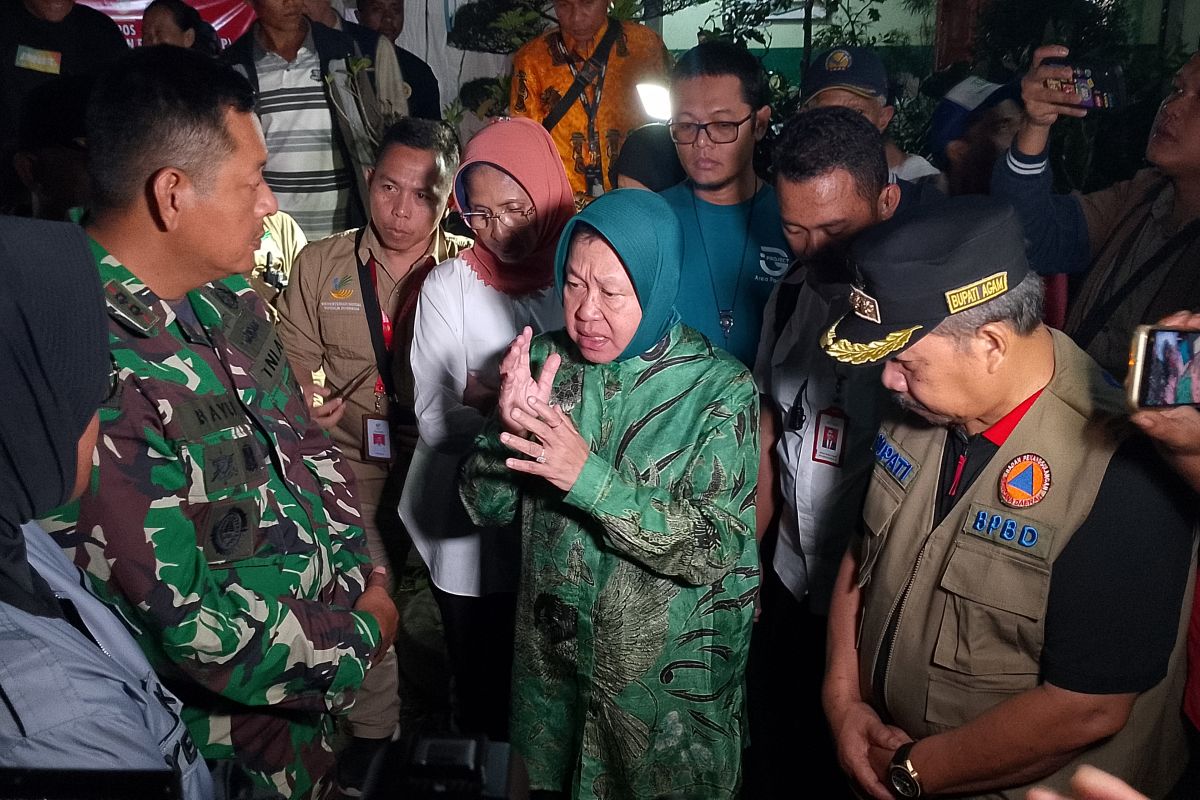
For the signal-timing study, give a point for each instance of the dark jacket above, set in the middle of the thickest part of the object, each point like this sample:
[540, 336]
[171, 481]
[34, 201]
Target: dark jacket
[1138, 267]
[425, 100]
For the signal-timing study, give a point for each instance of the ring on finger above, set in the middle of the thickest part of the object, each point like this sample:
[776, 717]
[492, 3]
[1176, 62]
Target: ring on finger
[541, 459]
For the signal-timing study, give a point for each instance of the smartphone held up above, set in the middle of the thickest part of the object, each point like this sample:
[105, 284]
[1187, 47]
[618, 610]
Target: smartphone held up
[1164, 367]
[1099, 86]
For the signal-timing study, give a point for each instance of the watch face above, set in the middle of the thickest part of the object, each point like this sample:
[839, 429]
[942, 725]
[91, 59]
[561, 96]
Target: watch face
[902, 782]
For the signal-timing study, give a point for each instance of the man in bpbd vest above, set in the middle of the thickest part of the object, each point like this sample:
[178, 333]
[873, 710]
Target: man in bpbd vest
[1012, 604]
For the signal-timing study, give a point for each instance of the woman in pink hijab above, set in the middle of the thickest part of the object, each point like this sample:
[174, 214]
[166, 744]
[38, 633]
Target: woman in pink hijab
[513, 192]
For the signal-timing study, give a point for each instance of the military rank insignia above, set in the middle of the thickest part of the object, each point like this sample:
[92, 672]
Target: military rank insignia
[1024, 481]
[865, 306]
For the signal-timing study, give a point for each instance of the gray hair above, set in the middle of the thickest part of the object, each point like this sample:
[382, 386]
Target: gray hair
[1019, 307]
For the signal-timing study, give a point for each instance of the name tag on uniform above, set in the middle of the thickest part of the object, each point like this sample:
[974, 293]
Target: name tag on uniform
[894, 460]
[377, 439]
[1007, 529]
[47, 61]
[829, 443]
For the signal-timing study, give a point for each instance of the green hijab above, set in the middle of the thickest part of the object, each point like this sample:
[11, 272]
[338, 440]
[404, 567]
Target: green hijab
[645, 234]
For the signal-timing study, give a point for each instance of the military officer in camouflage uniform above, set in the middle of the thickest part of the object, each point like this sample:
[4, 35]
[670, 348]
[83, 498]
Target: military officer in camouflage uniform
[220, 521]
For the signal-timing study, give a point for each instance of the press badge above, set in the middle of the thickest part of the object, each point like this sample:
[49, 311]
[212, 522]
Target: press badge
[377, 439]
[829, 443]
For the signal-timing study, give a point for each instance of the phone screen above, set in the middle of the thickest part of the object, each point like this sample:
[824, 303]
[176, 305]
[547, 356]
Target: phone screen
[1170, 373]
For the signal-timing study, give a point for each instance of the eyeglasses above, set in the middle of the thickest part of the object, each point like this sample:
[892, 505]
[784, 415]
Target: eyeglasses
[479, 220]
[718, 131]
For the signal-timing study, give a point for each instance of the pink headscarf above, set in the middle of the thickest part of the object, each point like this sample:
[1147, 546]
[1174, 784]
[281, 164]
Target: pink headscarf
[523, 149]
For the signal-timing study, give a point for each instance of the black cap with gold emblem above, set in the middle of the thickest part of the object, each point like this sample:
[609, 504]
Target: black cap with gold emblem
[914, 271]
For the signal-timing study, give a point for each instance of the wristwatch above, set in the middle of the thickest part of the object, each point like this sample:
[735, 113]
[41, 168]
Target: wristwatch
[903, 779]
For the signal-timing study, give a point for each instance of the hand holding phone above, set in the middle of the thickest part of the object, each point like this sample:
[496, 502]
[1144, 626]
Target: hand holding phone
[1099, 86]
[1175, 430]
[1164, 367]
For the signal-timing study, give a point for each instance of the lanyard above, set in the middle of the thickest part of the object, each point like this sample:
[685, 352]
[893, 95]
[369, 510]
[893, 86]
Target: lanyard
[385, 321]
[591, 107]
[378, 322]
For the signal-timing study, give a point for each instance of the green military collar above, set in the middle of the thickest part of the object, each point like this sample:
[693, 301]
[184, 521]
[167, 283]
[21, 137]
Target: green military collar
[130, 302]
[135, 306]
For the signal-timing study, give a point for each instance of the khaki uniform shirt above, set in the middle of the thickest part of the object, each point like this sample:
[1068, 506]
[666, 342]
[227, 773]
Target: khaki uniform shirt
[282, 241]
[323, 326]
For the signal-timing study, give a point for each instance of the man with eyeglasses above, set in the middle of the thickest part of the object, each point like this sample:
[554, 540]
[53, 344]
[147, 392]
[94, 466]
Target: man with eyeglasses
[734, 248]
[348, 310]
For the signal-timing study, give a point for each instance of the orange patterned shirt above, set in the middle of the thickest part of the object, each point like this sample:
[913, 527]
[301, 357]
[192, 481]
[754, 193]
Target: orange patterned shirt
[541, 76]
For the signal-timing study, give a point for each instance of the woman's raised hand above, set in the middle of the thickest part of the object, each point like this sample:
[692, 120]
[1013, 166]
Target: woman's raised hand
[518, 387]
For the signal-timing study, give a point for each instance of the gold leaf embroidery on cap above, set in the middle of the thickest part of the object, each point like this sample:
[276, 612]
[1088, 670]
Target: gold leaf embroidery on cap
[859, 353]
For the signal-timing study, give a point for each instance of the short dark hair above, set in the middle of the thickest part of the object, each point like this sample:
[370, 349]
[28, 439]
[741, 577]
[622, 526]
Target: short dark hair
[423, 134]
[159, 107]
[188, 18]
[819, 140]
[716, 58]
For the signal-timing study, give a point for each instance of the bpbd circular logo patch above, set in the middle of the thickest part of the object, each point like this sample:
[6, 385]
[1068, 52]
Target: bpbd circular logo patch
[1025, 481]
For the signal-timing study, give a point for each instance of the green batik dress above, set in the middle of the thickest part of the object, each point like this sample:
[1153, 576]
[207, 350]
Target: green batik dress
[637, 587]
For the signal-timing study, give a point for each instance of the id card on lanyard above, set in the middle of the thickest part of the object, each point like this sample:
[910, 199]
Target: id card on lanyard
[830, 425]
[376, 442]
[829, 438]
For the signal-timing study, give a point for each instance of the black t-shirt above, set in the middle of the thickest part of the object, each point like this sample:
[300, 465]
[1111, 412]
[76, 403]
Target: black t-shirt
[1116, 590]
[33, 51]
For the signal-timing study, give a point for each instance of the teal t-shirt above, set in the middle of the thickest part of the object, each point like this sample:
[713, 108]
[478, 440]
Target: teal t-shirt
[732, 257]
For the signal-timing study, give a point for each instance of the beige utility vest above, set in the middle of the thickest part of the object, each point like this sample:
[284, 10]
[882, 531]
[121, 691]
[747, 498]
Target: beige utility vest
[970, 628]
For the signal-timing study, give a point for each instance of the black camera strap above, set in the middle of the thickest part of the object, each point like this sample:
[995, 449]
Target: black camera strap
[593, 69]
[1100, 313]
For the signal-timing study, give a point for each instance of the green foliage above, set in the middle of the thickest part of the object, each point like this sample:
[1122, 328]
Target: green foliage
[1009, 31]
[497, 26]
[852, 22]
[486, 97]
[743, 22]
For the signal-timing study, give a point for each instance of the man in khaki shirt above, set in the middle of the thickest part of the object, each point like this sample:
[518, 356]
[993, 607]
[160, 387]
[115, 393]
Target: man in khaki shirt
[282, 241]
[341, 287]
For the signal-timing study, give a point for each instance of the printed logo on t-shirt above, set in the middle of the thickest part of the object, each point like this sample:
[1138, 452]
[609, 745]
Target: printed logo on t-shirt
[47, 61]
[773, 261]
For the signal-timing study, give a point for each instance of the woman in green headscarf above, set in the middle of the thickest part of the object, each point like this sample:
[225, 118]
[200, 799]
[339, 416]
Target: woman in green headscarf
[633, 459]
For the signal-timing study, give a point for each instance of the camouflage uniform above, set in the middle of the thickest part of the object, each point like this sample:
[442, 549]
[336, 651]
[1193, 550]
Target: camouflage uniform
[221, 524]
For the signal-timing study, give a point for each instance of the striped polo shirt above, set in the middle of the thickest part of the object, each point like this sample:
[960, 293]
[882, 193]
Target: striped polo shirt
[305, 167]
